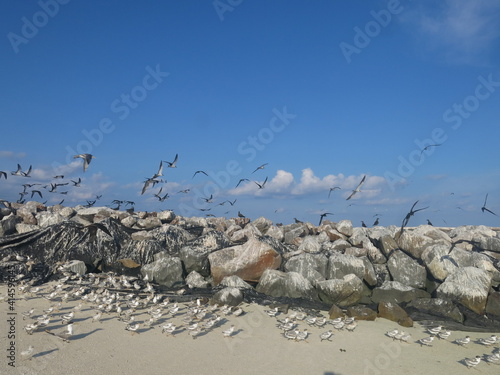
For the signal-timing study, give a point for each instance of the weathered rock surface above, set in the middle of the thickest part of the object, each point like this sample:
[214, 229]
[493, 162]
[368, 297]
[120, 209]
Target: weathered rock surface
[227, 296]
[406, 270]
[310, 266]
[395, 313]
[468, 286]
[342, 292]
[166, 270]
[437, 307]
[288, 284]
[395, 292]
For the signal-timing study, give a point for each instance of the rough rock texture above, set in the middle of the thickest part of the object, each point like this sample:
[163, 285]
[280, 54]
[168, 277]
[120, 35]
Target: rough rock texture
[235, 282]
[437, 307]
[406, 270]
[468, 286]
[395, 292]
[395, 313]
[340, 265]
[361, 312]
[195, 280]
[165, 270]
[288, 284]
[342, 292]
[227, 296]
[247, 261]
[311, 266]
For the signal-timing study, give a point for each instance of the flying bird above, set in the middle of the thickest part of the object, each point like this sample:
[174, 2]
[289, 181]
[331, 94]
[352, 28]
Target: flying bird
[427, 147]
[357, 190]
[18, 172]
[484, 206]
[409, 215]
[195, 173]
[322, 216]
[37, 192]
[240, 181]
[333, 189]
[77, 182]
[160, 170]
[261, 186]
[174, 163]
[4, 174]
[260, 167]
[148, 182]
[87, 158]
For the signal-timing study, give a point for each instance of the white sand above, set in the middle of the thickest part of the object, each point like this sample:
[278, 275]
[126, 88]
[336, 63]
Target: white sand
[257, 347]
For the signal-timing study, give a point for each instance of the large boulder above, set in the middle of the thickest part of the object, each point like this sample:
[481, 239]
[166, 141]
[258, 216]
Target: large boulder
[437, 307]
[227, 296]
[195, 255]
[395, 292]
[165, 270]
[406, 270]
[195, 280]
[311, 266]
[395, 313]
[468, 286]
[340, 265]
[438, 262]
[342, 292]
[248, 261]
[235, 282]
[286, 284]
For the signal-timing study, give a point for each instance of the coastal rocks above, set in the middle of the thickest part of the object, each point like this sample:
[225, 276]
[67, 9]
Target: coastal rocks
[8, 225]
[468, 286]
[227, 296]
[166, 270]
[345, 227]
[195, 255]
[361, 312]
[195, 280]
[395, 313]
[406, 270]
[342, 292]
[340, 265]
[435, 307]
[311, 266]
[75, 266]
[235, 282]
[493, 304]
[248, 261]
[395, 292]
[438, 262]
[288, 284]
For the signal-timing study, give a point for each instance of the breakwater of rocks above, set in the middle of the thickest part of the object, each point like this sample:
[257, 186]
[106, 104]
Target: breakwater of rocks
[422, 273]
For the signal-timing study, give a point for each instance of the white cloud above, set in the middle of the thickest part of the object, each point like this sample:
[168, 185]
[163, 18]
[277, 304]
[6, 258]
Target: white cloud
[462, 31]
[12, 154]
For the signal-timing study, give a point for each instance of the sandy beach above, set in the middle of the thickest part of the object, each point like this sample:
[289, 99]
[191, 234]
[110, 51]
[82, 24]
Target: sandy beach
[256, 346]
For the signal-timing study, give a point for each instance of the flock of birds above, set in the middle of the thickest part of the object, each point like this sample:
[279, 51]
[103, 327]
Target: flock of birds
[161, 195]
[442, 334]
[137, 305]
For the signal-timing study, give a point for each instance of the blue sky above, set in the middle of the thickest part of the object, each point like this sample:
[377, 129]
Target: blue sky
[325, 92]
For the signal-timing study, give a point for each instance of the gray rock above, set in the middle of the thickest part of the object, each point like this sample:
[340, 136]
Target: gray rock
[275, 232]
[414, 244]
[293, 231]
[490, 244]
[438, 262]
[356, 251]
[382, 273]
[129, 221]
[166, 216]
[235, 282]
[310, 244]
[468, 286]
[395, 292]
[262, 224]
[45, 219]
[374, 254]
[149, 223]
[387, 244]
[172, 237]
[165, 270]
[345, 227]
[340, 265]
[493, 304]
[24, 228]
[250, 231]
[443, 308]
[370, 277]
[406, 270]
[195, 280]
[195, 255]
[67, 212]
[359, 235]
[311, 266]
[76, 266]
[340, 244]
[285, 284]
[227, 296]
[342, 292]
[8, 225]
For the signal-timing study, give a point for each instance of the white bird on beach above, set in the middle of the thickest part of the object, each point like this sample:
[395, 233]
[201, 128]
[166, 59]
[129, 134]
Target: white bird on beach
[462, 342]
[472, 362]
[87, 158]
[326, 335]
[228, 332]
[489, 341]
[426, 341]
[444, 335]
[435, 330]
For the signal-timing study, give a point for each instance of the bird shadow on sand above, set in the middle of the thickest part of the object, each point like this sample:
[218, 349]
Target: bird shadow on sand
[41, 354]
[236, 332]
[83, 335]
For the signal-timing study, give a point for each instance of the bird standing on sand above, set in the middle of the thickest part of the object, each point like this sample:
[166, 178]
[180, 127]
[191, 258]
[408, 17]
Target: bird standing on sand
[426, 341]
[357, 190]
[472, 362]
[87, 158]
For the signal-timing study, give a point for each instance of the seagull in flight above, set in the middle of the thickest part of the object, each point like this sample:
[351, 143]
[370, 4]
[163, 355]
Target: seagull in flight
[357, 190]
[87, 158]
[261, 167]
[322, 216]
[232, 203]
[18, 172]
[427, 147]
[27, 173]
[484, 206]
[261, 186]
[160, 170]
[174, 163]
[333, 189]
[195, 173]
[410, 214]
[4, 174]
[209, 199]
[148, 182]
[77, 182]
[240, 181]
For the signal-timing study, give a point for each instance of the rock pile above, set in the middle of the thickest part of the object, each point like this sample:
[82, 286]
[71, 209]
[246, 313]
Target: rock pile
[452, 274]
